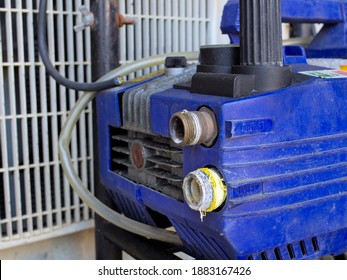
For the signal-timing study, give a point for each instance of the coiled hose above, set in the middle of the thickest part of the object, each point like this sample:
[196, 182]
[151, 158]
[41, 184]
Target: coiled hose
[77, 185]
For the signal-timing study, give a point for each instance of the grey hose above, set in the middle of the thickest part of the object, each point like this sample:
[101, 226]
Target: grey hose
[86, 196]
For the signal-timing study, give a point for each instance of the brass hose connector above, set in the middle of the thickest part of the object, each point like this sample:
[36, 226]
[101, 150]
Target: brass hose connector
[193, 128]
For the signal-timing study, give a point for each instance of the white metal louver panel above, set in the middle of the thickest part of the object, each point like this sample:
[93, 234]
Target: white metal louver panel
[36, 201]
[165, 26]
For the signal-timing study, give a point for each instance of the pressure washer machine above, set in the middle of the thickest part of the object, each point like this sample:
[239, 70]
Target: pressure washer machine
[244, 154]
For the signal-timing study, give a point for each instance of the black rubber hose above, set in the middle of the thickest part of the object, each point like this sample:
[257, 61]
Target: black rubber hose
[52, 71]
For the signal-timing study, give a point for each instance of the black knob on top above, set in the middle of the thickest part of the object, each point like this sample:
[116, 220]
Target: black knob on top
[261, 34]
[261, 45]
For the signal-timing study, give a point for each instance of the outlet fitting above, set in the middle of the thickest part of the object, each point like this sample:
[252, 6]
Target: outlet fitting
[204, 190]
[193, 128]
[121, 20]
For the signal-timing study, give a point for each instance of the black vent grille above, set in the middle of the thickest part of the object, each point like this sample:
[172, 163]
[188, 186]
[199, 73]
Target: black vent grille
[201, 245]
[307, 248]
[163, 170]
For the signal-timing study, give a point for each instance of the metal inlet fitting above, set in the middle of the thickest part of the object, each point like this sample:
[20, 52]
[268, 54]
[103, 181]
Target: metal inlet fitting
[204, 190]
[193, 128]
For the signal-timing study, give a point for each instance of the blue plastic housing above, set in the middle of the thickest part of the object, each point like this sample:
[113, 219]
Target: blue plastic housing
[283, 156]
[330, 42]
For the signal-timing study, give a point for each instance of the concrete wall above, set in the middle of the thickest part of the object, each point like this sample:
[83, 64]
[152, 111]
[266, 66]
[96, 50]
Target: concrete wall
[76, 246]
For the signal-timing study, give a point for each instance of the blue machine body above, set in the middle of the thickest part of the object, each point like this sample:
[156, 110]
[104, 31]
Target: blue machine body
[330, 42]
[282, 155]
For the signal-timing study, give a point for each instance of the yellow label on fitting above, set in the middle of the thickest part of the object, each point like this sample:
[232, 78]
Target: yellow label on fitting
[218, 187]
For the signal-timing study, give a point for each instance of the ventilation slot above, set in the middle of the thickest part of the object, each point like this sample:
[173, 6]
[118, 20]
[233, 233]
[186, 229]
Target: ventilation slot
[120, 153]
[291, 251]
[156, 162]
[278, 254]
[303, 248]
[263, 256]
[315, 244]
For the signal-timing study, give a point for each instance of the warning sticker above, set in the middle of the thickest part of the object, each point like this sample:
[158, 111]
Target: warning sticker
[326, 74]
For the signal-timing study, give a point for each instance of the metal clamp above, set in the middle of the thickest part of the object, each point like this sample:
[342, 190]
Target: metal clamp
[87, 19]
